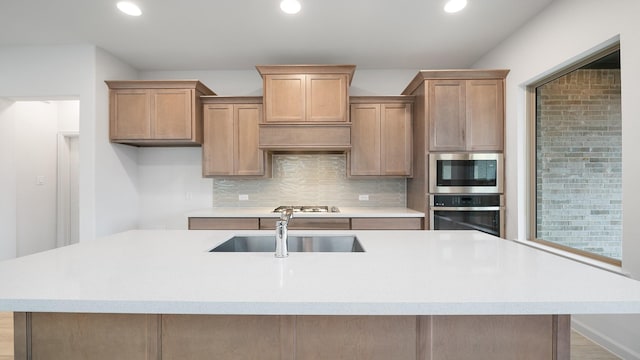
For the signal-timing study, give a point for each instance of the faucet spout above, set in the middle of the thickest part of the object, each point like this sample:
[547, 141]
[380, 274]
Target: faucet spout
[282, 233]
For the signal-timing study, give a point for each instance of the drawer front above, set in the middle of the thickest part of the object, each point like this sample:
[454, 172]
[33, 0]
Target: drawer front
[387, 223]
[309, 224]
[196, 223]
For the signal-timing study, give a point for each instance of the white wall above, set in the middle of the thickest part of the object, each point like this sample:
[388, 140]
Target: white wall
[8, 246]
[51, 72]
[36, 128]
[116, 168]
[171, 184]
[249, 82]
[564, 32]
[29, 135]
[68, 115]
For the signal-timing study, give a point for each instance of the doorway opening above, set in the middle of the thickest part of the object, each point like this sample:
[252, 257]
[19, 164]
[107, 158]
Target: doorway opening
[40, 176]
[68, 214]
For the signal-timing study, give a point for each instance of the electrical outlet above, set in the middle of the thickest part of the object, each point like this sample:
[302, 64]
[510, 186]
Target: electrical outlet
[243, 197]
[40, 180]
[363, 197]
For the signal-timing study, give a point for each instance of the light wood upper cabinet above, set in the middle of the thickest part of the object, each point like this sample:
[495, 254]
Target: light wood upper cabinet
[326, 98]
[396, 135]
[156, 113]
[447, 115]
[464, 109]
[365, 139]
[171, 108]
[286, 98]
[231, 137]
[306, 93]
[130, 114]
[466, 115]
[485, 115]
[381, 136]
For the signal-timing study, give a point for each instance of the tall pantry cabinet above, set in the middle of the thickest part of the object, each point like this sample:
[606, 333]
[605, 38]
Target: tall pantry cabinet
[454, 111]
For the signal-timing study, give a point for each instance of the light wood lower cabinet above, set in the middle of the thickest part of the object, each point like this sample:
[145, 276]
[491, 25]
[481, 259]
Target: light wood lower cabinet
[154, 337]
[67, 336]
[355, 337]
[196, 223]
[211, 223]
[387, 223]
[196, 337]
[308, 223]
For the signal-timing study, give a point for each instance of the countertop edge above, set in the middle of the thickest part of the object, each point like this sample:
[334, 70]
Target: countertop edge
[305, 308]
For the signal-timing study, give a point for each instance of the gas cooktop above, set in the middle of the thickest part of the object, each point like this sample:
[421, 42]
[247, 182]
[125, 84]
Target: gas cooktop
[306, 209]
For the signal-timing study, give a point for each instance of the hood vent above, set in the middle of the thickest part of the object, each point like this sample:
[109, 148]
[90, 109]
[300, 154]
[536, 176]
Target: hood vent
[305, 137]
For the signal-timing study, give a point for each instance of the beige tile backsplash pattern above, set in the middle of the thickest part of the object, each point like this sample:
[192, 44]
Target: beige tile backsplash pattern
[309, 179]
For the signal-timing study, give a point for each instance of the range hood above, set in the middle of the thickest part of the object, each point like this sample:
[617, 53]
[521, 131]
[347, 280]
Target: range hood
[305, 137]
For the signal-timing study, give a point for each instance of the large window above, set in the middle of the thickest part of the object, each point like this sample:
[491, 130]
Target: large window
[576, 150]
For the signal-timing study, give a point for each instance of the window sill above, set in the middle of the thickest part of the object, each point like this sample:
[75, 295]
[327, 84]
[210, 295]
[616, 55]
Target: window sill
[575, 257]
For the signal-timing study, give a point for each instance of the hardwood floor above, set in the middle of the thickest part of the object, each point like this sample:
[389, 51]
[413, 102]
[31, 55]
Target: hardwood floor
[6, 336]
[584, 349]
[581, 347]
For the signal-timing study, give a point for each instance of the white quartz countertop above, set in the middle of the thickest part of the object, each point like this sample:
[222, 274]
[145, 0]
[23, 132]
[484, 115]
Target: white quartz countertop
[401, 273]
[349, 212]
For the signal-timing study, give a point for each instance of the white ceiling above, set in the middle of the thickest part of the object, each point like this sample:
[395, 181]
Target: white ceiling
[238, 34]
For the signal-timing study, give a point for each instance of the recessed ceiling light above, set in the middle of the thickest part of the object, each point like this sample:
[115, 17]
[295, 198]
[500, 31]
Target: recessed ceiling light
[453, 6]
[290, 6]
[129, 8]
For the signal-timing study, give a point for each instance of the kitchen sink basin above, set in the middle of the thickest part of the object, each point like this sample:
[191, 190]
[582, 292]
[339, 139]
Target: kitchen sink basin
[266, 243]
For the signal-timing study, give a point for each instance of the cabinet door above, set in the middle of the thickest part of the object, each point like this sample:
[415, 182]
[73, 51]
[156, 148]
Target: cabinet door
[172, 113]
[395, 139]
[386, 223]
[205, 223]
[485, 115]
[447, 115]
[365, 139]
[130, 114]
[304, 223]
[326, 98]
[284, 97]
[217, 150]
[249, 159]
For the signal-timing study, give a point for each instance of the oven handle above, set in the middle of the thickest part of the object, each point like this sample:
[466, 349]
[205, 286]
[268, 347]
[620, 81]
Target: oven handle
[486, 208]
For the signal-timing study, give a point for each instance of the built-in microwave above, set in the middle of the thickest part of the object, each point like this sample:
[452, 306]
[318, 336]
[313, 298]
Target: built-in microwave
[466, 173]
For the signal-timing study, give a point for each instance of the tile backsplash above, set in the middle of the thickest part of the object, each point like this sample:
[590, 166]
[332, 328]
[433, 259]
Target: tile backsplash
[309, 179]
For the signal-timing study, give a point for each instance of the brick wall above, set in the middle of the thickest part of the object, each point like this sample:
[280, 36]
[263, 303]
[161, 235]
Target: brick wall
[579, 163]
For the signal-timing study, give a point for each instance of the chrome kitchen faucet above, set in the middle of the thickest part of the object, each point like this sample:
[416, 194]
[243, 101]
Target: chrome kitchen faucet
[281, 233]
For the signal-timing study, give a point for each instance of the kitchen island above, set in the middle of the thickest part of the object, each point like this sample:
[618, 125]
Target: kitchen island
[410, 295]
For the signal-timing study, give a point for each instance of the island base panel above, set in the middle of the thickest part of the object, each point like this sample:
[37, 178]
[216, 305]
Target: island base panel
[70, 336]
[153, 337]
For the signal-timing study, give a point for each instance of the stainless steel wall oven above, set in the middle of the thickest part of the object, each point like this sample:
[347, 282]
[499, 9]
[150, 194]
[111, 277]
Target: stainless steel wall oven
[465, 173]
[483, 212]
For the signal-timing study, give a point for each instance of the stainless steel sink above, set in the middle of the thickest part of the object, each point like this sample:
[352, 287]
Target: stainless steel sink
[267, 243]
